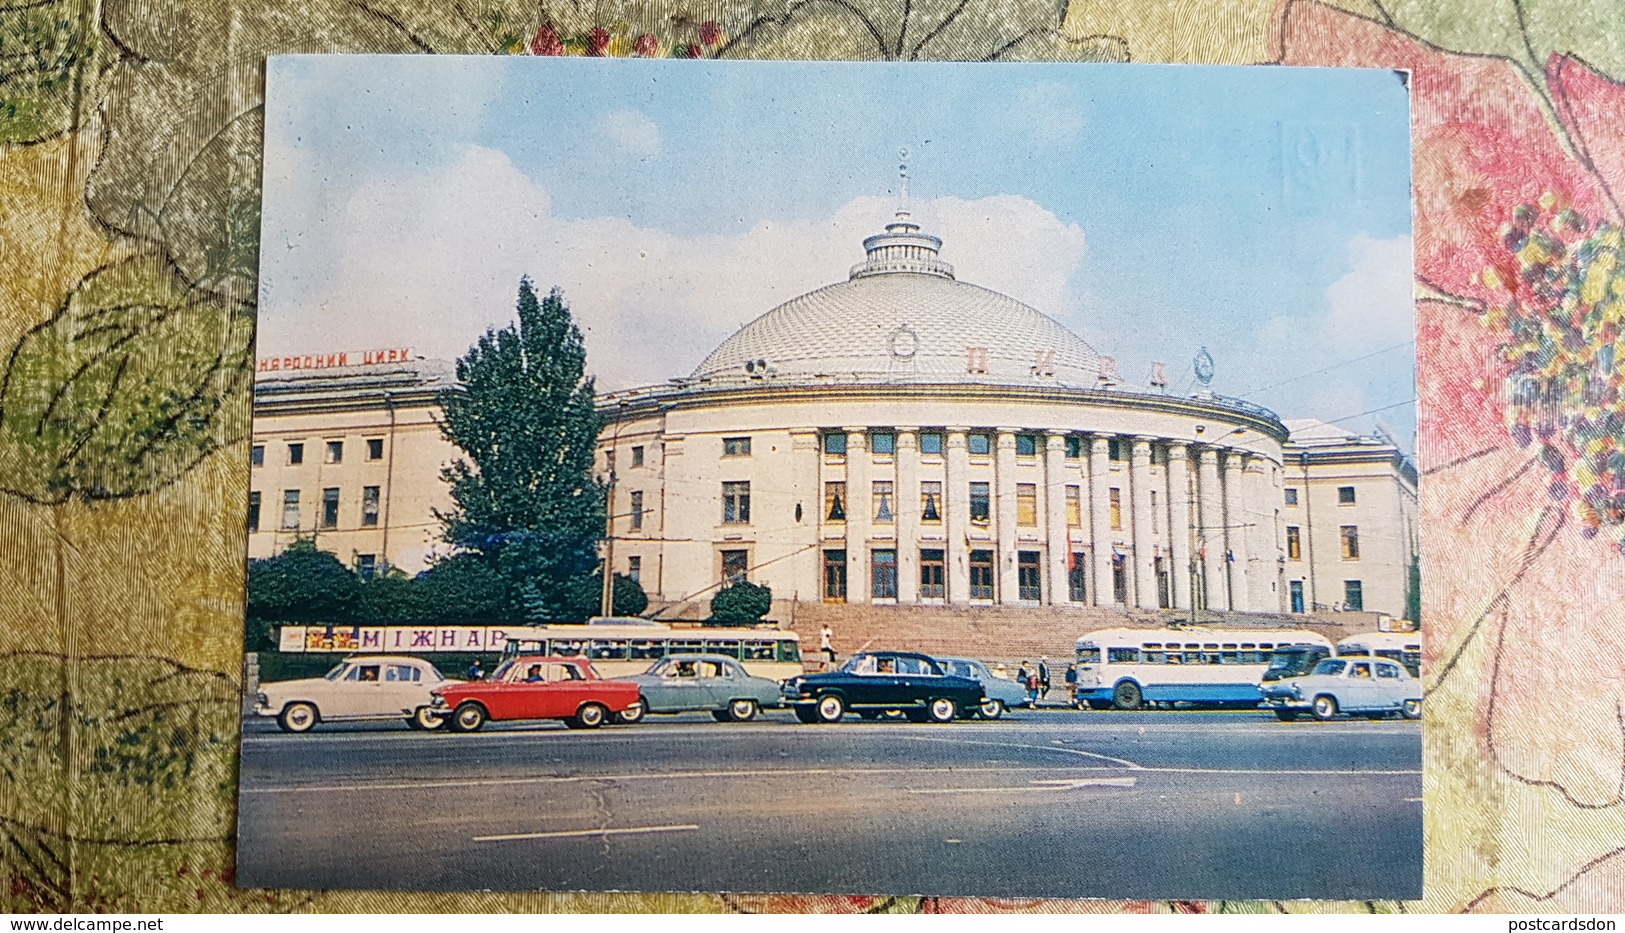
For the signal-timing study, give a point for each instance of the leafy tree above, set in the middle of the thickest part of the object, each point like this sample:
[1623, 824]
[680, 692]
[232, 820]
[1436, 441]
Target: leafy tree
[524, 415]
[303, 584]
[464, 588]
[741, 603]
[391, 598]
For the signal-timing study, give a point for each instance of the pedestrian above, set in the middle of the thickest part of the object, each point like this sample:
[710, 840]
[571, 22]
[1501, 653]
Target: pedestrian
[1028, 678]
[1043, 677]
[475, 671]
[824, 645]
[1071, 685]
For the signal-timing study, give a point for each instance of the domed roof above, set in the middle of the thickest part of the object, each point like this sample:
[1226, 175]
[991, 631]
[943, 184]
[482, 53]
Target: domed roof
[903, 317]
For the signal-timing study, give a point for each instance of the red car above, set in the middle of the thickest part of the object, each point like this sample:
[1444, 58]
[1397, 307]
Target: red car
[536, 687]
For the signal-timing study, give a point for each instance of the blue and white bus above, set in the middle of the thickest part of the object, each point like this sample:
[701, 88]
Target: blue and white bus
[1137, 668]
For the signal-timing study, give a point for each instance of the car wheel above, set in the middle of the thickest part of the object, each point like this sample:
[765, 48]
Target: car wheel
[1324, 707]
[1287, 715]
[426, 718]
[831, 708]
[633, 714]
[589, 716]
[468, 717]
[991, 709]
[806, 714]
[942, 709]
[1128, 696]
[298, 717]
[742, 711]
[1412, 709]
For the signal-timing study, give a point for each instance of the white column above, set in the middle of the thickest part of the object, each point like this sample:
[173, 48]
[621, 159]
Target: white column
[1100, 522]
[1145, 583]
[956, 493]
[1263, 570]
[906, 506]
[1004, 513]
[1236, 521]
[1179, 523]
[809, 564]
[859, 494]
[1055, 483]
[1210, 528]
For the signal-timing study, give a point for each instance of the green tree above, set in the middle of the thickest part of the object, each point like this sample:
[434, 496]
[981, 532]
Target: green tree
[303, 584]
[464, 588]
[526, 499]
[742, 603]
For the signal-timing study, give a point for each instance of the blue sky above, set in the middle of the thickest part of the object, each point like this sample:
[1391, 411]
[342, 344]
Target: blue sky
[1261, 212]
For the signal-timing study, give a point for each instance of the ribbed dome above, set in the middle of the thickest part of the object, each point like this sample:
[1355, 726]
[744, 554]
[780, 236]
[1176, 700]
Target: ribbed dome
[902, 317]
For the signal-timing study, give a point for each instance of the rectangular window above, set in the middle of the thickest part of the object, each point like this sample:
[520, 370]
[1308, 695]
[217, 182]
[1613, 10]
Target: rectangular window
[1156, 526]
[1074, 507]
[930, 442]
[1350, 535]
[736, 447]
[835, 576]
[931, 501]
[735, 566]
[1029, 580]
[882, 501]
[253, 511]
[1116, 508]
[375, 448]
[1075, 573]
[933, 574]
[884, 573]
[1294, 544]
[980, 504]
[979, 444]
[882, 442]
[834, 502]
[335, 451]
[835, 442]
[1027, 505]
[366, 565]
[330, 507]
[296, 454]
[256, 455]
[1345, 495]
[736, 503]
[1074, 447]
[290, 509]
[1026, 445]
[369, 505]
[1295, 590]
[1114, 449]
[637, 456]
[637, 510]
[1353, 596]
[981, 574]
[634, 569]
[1291, 496]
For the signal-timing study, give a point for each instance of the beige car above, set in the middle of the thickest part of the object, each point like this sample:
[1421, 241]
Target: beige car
[357, 688]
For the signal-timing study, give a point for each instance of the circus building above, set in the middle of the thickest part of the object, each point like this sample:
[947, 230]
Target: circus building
[897, 438]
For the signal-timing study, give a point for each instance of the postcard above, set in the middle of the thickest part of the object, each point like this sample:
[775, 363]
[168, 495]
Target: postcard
[990, 480]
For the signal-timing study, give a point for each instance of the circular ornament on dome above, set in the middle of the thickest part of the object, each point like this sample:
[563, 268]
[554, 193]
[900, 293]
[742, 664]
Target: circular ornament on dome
[904, 342]
[1203, 366]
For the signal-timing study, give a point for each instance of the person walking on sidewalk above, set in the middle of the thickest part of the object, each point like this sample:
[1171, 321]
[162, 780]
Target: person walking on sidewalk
[823, 645]
[1043, 677]
[1071, 685]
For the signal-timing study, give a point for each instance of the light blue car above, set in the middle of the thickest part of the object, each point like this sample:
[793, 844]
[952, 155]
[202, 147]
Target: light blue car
[682, 683]
[998, 693]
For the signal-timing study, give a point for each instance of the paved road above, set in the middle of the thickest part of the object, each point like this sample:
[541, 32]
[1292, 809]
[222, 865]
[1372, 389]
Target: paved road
[1042, 804]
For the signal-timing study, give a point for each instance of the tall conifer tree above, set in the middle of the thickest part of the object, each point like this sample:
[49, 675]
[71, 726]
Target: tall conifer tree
[528, 502]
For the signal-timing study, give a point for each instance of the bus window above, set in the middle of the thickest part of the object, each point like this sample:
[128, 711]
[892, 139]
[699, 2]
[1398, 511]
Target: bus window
[1155, 655]
[789, 650]
[1123, 655]
[565, 649]
[685, 646]
[756, 651]
[613, 650]
[728, 648]
[644, 650]
[1089, 654]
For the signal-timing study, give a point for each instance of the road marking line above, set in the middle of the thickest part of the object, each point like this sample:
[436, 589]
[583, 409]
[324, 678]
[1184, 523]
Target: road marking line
[1047, 786]
[1413, 799]
[1121, 762]
[569, 833]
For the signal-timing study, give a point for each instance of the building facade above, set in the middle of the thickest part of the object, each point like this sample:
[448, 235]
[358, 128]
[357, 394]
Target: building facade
[900, 437]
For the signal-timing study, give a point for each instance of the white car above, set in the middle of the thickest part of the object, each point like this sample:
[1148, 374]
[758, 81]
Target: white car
[1374, 687]
[373, 687]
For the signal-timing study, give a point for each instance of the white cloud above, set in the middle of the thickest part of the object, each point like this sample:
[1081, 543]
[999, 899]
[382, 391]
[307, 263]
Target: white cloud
[1372, 304]
[432, 261]
[631, 131]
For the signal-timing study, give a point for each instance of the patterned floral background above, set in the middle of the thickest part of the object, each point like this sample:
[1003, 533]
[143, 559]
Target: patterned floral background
[129, 216]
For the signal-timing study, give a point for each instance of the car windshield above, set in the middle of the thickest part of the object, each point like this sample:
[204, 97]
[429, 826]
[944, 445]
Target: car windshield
[1330, 666]
[338, 670]
[1291, 660]
[501, 670]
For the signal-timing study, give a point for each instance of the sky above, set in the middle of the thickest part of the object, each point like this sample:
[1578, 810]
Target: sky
[1262, 213]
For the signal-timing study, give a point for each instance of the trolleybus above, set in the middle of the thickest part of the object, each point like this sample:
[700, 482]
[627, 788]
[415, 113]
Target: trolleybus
[1136, 668]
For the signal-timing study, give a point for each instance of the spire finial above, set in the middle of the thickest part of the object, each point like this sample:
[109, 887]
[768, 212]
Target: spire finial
[902, 189]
